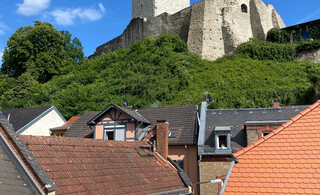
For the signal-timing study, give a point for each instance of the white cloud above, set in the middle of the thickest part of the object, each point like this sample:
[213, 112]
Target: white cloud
[32, 7]
[1, 54]
[3, 28]
[68, 16]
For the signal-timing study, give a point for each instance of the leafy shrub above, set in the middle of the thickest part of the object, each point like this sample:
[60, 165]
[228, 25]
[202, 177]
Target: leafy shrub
[278, 36]
[307, 45]
[263, 50]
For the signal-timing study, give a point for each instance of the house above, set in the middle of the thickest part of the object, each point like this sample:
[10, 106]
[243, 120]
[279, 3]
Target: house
[304, 31]
[119, 123]
[284, 162]
[223, 132]
[59, 131]
[34, 121]
[60, 165]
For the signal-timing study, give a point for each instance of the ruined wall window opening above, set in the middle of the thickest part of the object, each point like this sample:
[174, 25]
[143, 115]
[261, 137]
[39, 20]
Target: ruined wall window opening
[141, 5]
[305, 34]
[244, 8]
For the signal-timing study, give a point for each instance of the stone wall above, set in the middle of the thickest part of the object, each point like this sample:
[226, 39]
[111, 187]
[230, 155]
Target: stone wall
[209, 171]
[151, 8]
[311, 55]
[211, 28]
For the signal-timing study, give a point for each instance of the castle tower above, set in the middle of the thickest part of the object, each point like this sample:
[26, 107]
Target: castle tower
[151, 8]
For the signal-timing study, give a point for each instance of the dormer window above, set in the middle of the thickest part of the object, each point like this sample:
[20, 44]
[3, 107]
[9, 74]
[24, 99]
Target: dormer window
[222, 139]
[222, 142]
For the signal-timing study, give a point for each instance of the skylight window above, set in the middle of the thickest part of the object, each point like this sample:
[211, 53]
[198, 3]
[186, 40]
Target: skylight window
[172, 133]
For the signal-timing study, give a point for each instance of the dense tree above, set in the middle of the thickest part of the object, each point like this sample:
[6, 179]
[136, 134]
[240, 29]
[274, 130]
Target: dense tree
[40, 50]
[162, 71]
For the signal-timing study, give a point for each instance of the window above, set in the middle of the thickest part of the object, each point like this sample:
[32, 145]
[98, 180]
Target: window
[222, 139]
[244, 8]
[109, 134]
[172, 133]
[294, 37]
[115, 132]
[265, 133]
[305, 34]
[222, 142]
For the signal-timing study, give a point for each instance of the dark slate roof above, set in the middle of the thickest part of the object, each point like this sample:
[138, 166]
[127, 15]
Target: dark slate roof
[129, 112]
[80, 128]
[11, 181]
[27, 157]
[236, 118]
[181, 118]
[20, 117]
[86, 166]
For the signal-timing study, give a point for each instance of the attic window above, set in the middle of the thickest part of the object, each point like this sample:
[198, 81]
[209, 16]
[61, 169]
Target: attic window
[244, 8]
[222, 142]
[222, 139]
[265, 133]
[172, 133]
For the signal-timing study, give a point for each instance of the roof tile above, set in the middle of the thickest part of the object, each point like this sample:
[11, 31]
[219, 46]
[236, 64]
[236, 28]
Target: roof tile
[98, 166]
[286, 162]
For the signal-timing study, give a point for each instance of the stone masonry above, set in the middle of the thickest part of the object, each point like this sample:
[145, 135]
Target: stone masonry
[211, 28]
[151, 8]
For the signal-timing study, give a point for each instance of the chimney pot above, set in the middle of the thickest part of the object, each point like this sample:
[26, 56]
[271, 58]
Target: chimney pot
[276, 104]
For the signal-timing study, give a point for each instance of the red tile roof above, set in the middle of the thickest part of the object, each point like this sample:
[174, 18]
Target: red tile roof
[287, 161]
[83, 166]
[72, 120]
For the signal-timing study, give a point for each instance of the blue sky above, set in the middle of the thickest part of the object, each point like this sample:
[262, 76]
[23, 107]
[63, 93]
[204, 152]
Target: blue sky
[95, 22]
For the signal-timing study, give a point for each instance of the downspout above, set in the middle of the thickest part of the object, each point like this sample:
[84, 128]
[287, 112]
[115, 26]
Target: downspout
[234, 160]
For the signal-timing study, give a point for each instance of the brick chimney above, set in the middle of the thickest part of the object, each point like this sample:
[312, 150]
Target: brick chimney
[276, 104]
[162, 131]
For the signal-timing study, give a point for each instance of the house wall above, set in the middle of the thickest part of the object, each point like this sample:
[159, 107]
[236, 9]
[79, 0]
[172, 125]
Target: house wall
[189, 156]
[210, 169]
[115, 116]
[42, 126]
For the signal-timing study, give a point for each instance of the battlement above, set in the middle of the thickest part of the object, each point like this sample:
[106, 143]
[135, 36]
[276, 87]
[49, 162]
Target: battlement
[152, 8]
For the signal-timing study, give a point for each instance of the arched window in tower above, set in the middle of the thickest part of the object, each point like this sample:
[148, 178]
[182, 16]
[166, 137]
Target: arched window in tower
[244, 8]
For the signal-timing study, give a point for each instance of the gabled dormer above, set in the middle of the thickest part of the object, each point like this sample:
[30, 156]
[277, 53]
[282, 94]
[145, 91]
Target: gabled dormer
[222, 140]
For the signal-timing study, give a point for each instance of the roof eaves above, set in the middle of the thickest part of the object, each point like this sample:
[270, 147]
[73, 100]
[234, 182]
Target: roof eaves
[93, 121]
[28, 156]
[275, 132]
[39, 117]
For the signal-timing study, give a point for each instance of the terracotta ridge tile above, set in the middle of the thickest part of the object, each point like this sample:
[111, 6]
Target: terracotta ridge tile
[276, 131]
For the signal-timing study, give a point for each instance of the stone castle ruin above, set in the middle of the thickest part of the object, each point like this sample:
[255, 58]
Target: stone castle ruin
[211, 28]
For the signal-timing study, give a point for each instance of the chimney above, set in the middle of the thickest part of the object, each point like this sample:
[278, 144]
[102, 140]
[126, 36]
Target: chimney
[276, 104]
[162, 131]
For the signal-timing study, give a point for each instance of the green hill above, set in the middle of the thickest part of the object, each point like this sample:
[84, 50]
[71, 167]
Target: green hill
[163, 71]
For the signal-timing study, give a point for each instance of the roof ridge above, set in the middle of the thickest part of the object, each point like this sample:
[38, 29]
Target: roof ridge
[248, 109]
[276, 131]
[167, 107]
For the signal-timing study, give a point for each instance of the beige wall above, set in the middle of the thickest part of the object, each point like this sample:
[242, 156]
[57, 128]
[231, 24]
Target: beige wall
[189, 156]
[42, 126]
[211, 170]
[130, 133]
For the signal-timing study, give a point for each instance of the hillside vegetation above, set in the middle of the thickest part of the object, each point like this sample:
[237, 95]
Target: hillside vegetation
[162, 71]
